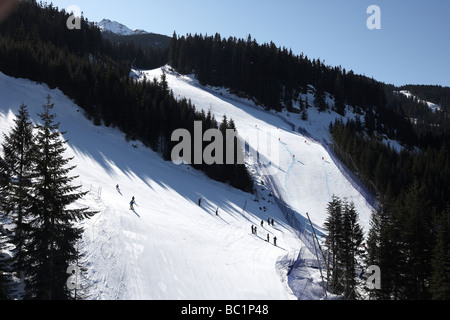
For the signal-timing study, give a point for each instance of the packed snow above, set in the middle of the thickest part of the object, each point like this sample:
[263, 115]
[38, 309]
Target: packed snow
[169, 247]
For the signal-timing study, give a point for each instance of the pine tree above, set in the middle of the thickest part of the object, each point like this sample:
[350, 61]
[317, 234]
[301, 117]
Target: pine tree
[333, 225]
[374, 243]
[172, 49]
[305, 116]
[440, 277]
[339, 105]
[53, 236]
[413, 215]
[383, 251]
[4, 238]
[319, 99]
[224, 125]
[351, 248]
[18, 149]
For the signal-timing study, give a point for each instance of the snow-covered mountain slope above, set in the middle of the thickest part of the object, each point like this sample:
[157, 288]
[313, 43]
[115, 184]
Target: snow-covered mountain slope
[305, 174]
[118, 28]
[169, 247]
[172, 248]
[431, 105]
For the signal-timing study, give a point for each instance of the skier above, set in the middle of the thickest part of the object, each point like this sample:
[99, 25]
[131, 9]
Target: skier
[275, 241]
[253, 229]
[361, 275]
[217, 211]
[272, 222]
[262, 223]
[268, 238]
[200, 202]
[131, 204]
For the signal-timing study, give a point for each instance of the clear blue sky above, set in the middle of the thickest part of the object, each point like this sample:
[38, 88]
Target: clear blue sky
[412, 47]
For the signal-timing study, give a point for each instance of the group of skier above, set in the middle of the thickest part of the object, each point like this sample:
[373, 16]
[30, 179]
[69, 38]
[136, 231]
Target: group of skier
[270, 222]
[254, 228]
[200, 204]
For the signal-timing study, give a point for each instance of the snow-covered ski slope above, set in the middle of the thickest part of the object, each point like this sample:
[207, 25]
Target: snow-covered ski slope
[169, 248]
[303, 171]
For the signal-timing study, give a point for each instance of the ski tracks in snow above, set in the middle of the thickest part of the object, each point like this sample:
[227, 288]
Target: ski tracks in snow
[109, 269]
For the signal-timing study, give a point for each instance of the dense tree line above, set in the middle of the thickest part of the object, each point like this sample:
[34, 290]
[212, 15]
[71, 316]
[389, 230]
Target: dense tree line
[36, 44]
[344, 251]
[436, 94]
[36, 192]
[431, 127]
[144, 41]
[407, 235]
[275, 78]
[392, 171]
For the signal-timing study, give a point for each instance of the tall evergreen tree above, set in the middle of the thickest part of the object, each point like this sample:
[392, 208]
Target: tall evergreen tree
[440, 278]
[333, 225]
[19, 149]
[339, 104]
[383, 251]
[53, 236]
[319, 99]
[414, 217]
[374, 243]
[351, 249]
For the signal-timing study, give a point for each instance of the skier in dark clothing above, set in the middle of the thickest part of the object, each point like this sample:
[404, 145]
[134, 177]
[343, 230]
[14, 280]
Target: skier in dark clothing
[200, 202]
[132, 204]
[275, 241]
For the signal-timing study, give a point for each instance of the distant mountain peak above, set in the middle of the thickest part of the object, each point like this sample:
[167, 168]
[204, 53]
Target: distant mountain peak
[118, 28]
